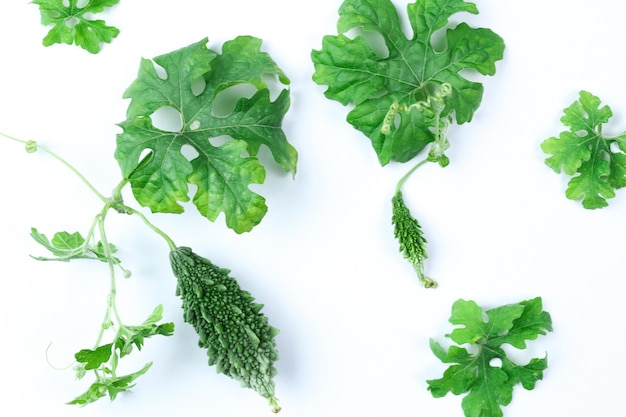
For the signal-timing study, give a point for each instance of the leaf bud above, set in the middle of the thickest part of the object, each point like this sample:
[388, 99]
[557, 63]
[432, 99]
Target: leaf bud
[31, 146]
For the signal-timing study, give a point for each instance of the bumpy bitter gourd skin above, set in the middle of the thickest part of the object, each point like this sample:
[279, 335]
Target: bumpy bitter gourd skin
[237, 336]
[408, 232]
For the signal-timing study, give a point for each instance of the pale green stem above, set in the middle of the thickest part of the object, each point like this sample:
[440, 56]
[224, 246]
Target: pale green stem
[408, 174]
[106, 323]
[34, 145]
[155, 229]
[116, 203]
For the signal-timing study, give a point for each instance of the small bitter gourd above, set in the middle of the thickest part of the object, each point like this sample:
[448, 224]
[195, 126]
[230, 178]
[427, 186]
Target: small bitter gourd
[238, 337]
[408, 232]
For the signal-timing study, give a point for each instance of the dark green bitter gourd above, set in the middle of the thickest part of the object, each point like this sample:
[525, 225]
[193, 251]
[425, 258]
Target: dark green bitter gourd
[408, 232]
[238, 337]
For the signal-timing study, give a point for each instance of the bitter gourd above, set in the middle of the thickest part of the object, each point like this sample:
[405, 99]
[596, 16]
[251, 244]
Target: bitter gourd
[408, 232]
[238, 337]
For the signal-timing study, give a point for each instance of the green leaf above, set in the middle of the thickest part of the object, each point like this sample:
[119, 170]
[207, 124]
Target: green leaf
[596, 163]
[66, 246]
[111, 386]
[489, 385]
[475, 330]
[194, 77]
[532, 323]
[155, 317]
[94, 358]
[100, 253]
[95, 391]
[409, 72]
[125, 383]
[131, 336]
[104, 359]
[72, 24]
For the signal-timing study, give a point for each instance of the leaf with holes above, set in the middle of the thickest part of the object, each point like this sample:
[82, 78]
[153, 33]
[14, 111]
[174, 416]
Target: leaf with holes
[408, 73]
[72, 23]
[154, 160]
[489, 375]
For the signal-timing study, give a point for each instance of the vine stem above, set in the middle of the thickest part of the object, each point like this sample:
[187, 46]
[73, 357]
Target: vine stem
[111, 322]
[106, 323]
[114, 202]
[409, 173]
[155, 229]
[32, 146]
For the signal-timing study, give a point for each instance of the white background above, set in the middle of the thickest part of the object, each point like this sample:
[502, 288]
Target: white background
[354, 321]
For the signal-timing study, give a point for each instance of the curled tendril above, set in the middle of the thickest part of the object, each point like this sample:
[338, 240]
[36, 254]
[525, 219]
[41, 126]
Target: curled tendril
[444, 90]
[421, 106]
[394, 109]
[437, 100]
[433, 106]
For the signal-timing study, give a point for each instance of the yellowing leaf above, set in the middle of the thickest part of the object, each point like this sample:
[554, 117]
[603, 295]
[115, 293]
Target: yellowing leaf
[153, 159]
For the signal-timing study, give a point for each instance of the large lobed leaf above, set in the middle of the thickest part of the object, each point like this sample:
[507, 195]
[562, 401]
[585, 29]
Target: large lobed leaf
[407, 73]
[71, 23]
[194, 76]
[597, 163]
[489, 385]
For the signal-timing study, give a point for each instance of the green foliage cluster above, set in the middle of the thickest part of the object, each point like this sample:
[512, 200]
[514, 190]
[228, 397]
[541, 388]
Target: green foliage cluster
[405, 97]
[103, 360]
[66, 246]
[399, 85]
[239, 340]
[596, 162]
[71, 23]
[194, 78]
[238, 337]
[488, 375]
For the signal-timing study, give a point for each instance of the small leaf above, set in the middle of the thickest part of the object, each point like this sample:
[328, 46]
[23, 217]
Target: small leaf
[64, 240]
[95, 391]
[488, 386]
[131, 336]
[125, 383]
[68, 246]
[111, 386]
[156, 315]
[94, 358]
[596, 163]
[99, 252]
[73, 24]
[64, 245]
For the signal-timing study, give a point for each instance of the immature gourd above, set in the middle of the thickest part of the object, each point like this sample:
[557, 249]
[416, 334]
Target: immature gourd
[237, 336]
[408, 232]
